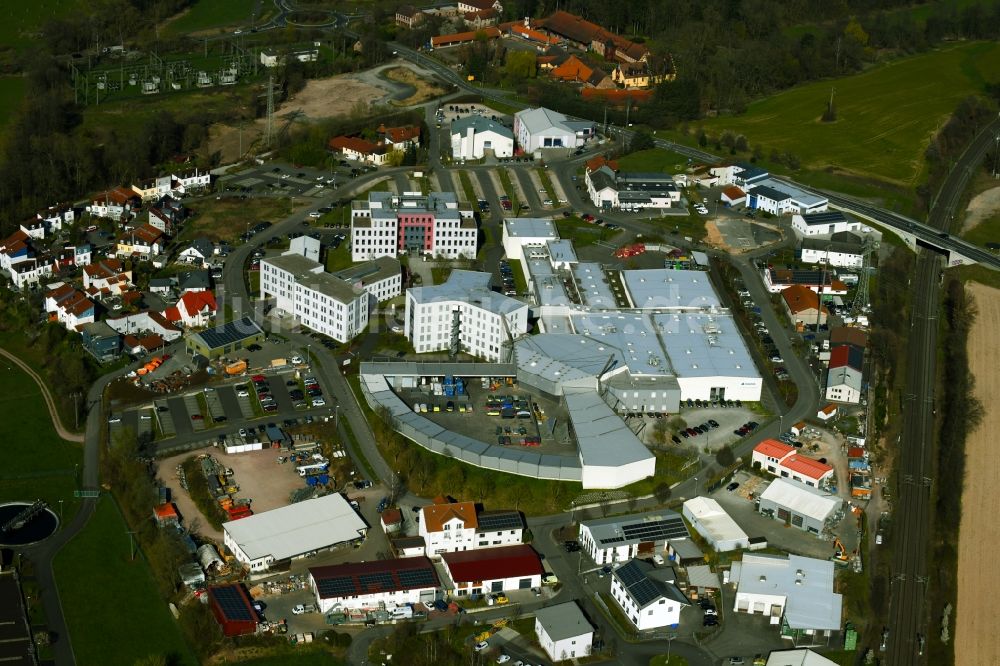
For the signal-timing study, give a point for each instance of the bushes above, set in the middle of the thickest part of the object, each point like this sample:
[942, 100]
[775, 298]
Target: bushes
[198, 489]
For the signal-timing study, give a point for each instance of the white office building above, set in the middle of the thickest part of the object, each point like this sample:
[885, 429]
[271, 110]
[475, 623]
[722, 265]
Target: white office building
[463, 315]
[473, 136]
[378, 584]
[522, 234]
[563, 631]
[293, 531]
[648, 596]
[337, 305]
[540, 128]
[824, 224]
[390, 224]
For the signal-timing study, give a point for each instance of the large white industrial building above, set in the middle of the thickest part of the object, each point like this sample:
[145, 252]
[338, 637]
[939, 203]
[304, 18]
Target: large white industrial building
[334, 304]
[711, 521]
[543, 128]
[390, 224]
[293, 531]
[463, 315]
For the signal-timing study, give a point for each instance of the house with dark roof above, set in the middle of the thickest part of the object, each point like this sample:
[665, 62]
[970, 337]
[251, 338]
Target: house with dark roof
[459, 38]
[493, 570]
[69, 306]
[803, 307]
[103, 342]
[590, 36]
[375, 584]
[224, 339]
[844, 378]
[779, 279]
[15, 248]
[647, 595]
[198, 252]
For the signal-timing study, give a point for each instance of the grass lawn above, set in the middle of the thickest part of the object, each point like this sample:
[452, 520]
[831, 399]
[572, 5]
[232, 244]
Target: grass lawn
[692, 226]
[653, 160]
[106, 594]
[662, 660]
[518, 272]
[207, 14]
[19, 21]
[885, 116]
[313, 657]
[580, 232]
[339, 259]
[226, 219]
[468, 190]
[550, 191]
[508, 188]
[987, 231]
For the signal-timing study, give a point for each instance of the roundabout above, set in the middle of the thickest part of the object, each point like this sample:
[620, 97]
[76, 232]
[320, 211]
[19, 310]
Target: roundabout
[26, 523]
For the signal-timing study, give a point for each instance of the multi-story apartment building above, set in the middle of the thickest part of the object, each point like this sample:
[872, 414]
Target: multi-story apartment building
[389, 224]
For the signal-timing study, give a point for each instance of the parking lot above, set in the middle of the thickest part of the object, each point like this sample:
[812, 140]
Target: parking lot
[492, 428]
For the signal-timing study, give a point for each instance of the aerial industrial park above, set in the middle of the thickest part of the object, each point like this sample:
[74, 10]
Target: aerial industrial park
[479, 333]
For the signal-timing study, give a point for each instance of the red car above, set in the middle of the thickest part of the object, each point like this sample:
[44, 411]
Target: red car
[258, 378]
[197, 417]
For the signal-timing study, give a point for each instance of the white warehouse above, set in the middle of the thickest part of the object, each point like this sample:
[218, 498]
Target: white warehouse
[463, 315]
[543, 128]
[712, 522]
[293, 531]
[473, 136]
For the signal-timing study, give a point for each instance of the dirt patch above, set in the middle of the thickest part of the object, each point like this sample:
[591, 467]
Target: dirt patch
[979, 530]
[227, 141]
[983, 206]
[226, 219]
[332, 97]
[424, 90]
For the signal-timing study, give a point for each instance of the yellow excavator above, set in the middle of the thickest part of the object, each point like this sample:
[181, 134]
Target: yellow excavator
[841, 554]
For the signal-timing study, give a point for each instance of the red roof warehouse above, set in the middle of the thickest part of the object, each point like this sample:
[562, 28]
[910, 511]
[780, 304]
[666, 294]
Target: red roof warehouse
[231, 607]
[510, 567]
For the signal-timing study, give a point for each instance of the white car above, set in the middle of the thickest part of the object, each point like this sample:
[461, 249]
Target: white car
[776, 359]
[298, 610]
[547, 202]
[296, 360]
[319, 402]
[242, 393]
[480, 646]
[114, 419]
[397, 329]
[503, 659]
[315, 214]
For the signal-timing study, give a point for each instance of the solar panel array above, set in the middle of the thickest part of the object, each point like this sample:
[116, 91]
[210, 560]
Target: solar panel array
[234, 606]
[508, 520]
[378, 581]
[654, 530]
[417, 578]
[341, 586]
[642, 589]
[233, 331]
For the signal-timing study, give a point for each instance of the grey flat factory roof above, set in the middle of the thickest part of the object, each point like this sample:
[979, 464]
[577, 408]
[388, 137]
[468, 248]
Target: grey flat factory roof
[480, 124]
[702, 345]
[294, 263]
[805, 582]
[562, 251]
[298, 528]
[563, 621]
[548, 285]
[770, 193]
[660, 288]
[685, 548]
[593, 286]
[437, 368]
[801, 498]
[660, 525]
[564, 358]
[603, 438]
[370, 271]
[701, 575]
[843, 246]
[471, 287]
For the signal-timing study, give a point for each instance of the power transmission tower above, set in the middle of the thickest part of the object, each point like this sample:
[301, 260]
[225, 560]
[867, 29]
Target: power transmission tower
[861, 295]
[269, 126]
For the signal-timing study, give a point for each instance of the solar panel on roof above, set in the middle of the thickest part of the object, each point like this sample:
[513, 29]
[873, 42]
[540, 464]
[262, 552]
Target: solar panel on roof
[377, 581]
[638, 585]
[336, 587]
[229, 333]
[670, 528]
[416, 578]
[232, 603]
[613, 540]
[502, 521]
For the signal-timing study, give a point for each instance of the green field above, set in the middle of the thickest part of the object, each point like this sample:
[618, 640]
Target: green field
[207, 14]
[987, 231]
[654, 160]
[20, 21]
[885, 116]
[11, 93]
[113, 610]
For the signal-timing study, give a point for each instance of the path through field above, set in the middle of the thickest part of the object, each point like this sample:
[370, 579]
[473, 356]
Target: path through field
[978, 592]
[57, 423]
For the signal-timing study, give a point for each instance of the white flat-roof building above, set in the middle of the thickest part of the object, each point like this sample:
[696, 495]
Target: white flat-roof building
[544, 128]
[796, 592]
[463, 315]
[388, 224]
[844, 249]
[337, 305]
[631, 191]
[473, 136]
[712, 522]
[293, 531]
[798, 657]
[526, 232]
[622, 538]
[798, 505]
[824, 224]
[563, 631]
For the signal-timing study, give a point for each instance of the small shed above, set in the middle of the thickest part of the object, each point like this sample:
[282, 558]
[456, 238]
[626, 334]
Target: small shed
[166, 514]
[191, 574]
[392, 520]
[208, 555]
[827, 412]
[703, 579]
[232, 609]
[798, 428]
[409, 546]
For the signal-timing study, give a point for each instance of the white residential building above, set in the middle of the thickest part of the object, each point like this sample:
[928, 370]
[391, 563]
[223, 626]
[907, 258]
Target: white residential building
[563, 631]
[648, 596]
[843, 249]
[711, 521]
[433, 224]
[337, 305]
[293, 531]
[844, 384]
[742, 175]
[622, 538]
[198, 252]
[543, 128]
[34, 228]
[473, 136]
[69, 306]
[191, 180]
[31, 271]
[154, 188]
[57, 217]
[493, 570]
[498, 528]
[373, 585]
[448, 527]
[796, 591]
[463, 314]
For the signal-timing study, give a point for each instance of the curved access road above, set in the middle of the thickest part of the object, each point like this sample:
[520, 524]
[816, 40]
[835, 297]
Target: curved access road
[57, 423]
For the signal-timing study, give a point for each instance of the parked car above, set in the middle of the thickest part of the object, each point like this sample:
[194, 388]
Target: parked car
[732, 486]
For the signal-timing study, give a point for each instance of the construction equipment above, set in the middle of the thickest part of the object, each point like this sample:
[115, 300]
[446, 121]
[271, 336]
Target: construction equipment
[841, 554]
